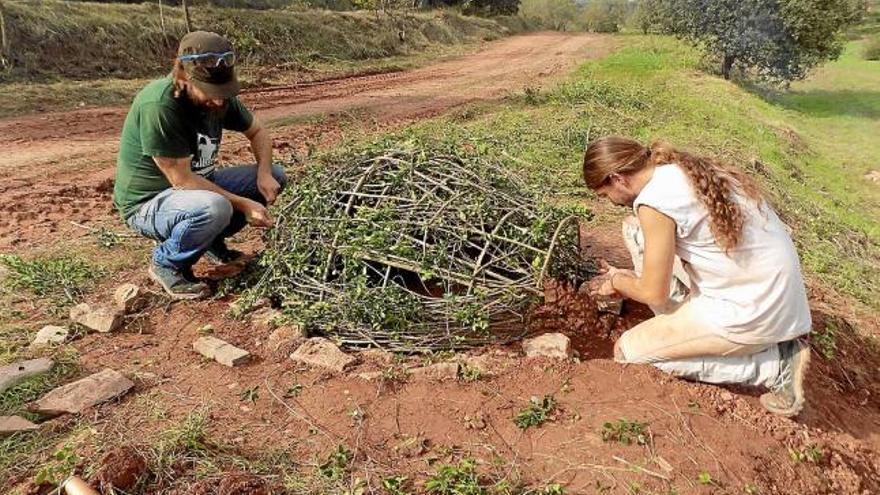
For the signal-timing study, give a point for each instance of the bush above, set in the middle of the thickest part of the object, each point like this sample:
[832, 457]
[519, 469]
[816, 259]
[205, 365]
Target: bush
[560, 15]
[872, 48]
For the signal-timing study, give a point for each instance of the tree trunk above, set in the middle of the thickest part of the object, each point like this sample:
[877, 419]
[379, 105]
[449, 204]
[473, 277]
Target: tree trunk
[4, 41]
[727, 65]
[186, 16]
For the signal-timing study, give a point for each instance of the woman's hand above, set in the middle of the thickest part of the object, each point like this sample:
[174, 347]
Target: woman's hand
[601, 285]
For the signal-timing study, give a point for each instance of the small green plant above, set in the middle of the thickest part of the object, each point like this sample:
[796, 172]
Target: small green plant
[336, 466]
[751, 489]
[705, 478]
[460, 479]
[107, 238]
[469, 373]
[633, 488]
[537, 412]
[64, 460]
[824, 340]
[395, 485]
[64, 276]
[250, 395]
[625, 431]
[811, 453]
[395, 374]
[293, 391]
[206, 330]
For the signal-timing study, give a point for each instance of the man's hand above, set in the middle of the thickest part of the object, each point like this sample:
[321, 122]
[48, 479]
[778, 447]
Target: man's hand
[256, 214]
[268, 186]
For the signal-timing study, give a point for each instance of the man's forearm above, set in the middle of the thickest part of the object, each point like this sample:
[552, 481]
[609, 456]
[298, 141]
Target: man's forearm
[261, 144]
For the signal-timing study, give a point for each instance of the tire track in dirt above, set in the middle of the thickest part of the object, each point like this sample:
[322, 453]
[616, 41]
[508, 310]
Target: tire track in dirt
[41, 156]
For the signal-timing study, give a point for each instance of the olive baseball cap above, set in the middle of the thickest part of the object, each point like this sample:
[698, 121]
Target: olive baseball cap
[216, 82]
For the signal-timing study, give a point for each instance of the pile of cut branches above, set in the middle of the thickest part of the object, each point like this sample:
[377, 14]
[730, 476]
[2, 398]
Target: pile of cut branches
[412, 250]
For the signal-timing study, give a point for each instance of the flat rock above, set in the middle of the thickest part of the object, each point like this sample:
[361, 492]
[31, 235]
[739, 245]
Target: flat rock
[370, 375]
[12, 374]
[320, 352]
[100, 319]
[437, 371]
[285, 338]
[551, 345]
[82, 394]
[15, 424]
[551, 291]
[130, 298]
[49, 335]
[377, 356]
[873, 176]
[220, 351]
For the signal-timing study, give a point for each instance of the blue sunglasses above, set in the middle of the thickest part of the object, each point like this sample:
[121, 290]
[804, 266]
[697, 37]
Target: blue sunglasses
[210, 59]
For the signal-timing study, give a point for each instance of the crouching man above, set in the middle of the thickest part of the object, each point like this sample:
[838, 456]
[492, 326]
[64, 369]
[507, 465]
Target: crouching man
[167, 186]
[714, 263]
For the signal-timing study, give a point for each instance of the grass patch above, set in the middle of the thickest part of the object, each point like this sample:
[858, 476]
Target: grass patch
[63, 278]
[536, 413]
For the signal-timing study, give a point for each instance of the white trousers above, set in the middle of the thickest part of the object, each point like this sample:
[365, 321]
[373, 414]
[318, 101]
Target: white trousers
[679, 343]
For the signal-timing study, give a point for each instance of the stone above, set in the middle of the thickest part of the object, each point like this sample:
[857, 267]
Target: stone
[100, 319]
[221, 351]
[551, 345]
[82, 394]
[378, 356]
[437, 371]
[283, 339]
[873, 176]
[320, 352]
[130, 298]
[551, 291]
[608, 304]
[14, 424]
[49, 335]
[12, 374]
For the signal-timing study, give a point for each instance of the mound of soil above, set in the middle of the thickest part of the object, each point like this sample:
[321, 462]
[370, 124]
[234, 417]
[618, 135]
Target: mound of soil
[121, 469]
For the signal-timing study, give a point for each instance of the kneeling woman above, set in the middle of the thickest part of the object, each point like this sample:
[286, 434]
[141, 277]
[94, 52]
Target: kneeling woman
[714, 263]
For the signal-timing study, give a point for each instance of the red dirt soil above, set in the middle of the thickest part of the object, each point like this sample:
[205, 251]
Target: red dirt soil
[58, 168]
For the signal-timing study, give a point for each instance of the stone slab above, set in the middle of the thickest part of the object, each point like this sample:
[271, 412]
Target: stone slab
[221, 351]
[550, 345]
[437, 371]
[130, 298]
[14, 424]
[82, 394]
[100, 319]
[320, 352]
[48, 335]
[12, 374]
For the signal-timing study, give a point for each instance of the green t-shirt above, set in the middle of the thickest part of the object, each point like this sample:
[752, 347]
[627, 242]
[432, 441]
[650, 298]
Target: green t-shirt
[158, 124]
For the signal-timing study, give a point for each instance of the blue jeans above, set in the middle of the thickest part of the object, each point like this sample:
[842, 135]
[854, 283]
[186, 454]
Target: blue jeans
[187, 222]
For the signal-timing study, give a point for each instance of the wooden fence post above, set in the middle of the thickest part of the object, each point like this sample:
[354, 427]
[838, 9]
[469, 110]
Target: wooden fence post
[186, 16]
[5, 58]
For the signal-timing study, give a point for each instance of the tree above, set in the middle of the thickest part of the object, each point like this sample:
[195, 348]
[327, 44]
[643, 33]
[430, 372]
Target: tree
[555, 14]
[4, 40]
[778, 40]
[604, 16]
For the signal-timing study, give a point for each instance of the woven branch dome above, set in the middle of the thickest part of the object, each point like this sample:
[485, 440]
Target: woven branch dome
[412, 250]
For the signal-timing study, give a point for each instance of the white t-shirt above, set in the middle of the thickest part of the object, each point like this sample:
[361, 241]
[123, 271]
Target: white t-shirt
[754, 294]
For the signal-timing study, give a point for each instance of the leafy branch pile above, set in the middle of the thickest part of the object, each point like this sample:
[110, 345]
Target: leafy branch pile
[413, 249]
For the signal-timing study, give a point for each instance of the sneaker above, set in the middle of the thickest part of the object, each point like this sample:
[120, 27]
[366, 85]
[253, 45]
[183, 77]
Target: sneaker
[219, 254]
[179, 284]
[786, 396]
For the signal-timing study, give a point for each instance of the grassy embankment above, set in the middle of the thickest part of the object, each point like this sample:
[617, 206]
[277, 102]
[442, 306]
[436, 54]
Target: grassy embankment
[810, 147]
[74, 54]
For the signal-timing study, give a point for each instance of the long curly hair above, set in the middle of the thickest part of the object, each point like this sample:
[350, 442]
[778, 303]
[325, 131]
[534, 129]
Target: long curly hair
[714, 182]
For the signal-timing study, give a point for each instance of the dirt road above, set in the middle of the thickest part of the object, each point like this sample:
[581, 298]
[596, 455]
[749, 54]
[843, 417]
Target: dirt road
[56, 167]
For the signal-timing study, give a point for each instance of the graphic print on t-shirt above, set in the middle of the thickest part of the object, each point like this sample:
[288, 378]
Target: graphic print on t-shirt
[203, 162]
